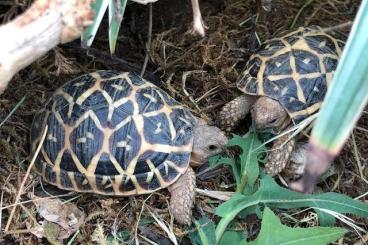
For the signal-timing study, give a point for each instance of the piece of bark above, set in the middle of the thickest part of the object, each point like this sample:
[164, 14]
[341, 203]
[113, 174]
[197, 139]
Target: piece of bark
[42, 27]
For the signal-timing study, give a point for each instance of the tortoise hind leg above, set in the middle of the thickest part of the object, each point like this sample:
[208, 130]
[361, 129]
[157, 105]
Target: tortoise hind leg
[234, 111]
[279, 155]
[183, 197]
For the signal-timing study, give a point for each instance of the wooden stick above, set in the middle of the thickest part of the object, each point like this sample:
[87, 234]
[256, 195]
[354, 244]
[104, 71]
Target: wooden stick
[43, 26]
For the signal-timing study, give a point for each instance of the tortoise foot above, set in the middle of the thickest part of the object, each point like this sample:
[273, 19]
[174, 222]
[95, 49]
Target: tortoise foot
[183, 197]
[279, 155]
[234, 111]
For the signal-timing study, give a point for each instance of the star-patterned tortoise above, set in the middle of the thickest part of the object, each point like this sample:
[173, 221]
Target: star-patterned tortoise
[117, 134]
[282, 84]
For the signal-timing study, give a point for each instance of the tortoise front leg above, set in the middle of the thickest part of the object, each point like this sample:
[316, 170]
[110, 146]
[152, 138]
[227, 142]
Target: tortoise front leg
[183, 197]
[279, 155]
[234, 111]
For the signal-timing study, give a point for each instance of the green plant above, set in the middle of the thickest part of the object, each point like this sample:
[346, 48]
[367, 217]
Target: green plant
[116, 13]
[257, 191]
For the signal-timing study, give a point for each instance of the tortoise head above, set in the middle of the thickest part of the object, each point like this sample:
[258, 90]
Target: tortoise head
[208, 141]
[268, 114]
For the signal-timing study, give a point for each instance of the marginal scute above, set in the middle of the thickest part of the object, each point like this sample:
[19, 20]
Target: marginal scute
[112, 133]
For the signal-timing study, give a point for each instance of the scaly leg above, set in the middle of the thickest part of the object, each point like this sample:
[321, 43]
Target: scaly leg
[234, 111]
[183, 197]
[279, 155]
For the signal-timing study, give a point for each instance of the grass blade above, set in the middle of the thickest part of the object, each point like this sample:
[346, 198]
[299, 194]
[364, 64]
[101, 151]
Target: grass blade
[99, 7]
[116, 13]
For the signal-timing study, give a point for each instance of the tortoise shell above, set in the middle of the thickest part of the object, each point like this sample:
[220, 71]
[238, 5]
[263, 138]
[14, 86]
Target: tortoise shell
[112, 133]
[295, 70]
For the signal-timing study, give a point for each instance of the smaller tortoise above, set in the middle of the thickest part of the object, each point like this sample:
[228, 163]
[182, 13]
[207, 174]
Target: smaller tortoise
[117, 134]
[283, 84]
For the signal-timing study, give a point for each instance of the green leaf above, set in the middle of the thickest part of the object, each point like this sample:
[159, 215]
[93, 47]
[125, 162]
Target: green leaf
[249, 168]
[205, 232]
[232, 237]
[116, 13]
[272, 195]
[99, 7]
[216, 160]
[274, 233]
[325, 219]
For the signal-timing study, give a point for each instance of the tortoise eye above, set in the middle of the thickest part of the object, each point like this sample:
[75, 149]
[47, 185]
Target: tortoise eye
[273, 121]
[212, 147]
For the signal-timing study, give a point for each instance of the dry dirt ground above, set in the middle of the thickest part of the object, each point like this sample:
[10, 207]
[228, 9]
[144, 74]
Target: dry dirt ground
[211, 65]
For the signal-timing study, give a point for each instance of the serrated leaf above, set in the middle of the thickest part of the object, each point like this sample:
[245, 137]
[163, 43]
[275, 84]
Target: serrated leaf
[216, 160]
[205, 232]
[99, 7]
[274, 233]
[275, 196]
[249, 168]
[116, 13]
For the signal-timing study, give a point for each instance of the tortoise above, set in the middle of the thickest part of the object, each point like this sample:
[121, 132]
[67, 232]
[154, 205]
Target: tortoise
[114, 133]
[282, 84]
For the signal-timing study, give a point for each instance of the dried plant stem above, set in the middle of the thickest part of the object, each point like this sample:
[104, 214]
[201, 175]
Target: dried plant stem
[24, 180]
[148, 45]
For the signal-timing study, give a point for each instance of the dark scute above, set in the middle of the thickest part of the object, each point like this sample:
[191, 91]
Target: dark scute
[152, 185]
[101, 187]
[113, 92]
[105, 166]
[308, 85]
[97, 102]
[67, 162]
[65, 180]
[273, 89]
[86, 151]
[79, 179]
[252, 67]
[181, 159]
[77, 112]
[314, 41]
[270, 47]
[61, 105]
[187, 126]
[36, 128]
[76, 91]
[157, 130]
[155, 157]
[50, 174]
[108, 73]
[292, 39]
[252, 85]
[168, 99]
[55, 130]
[330, 64]
[129, 134]
[284, 65]
[120, 114]
[136, 79]
[303, 68]
[170, 175]
[145, 104]
[126, 186]
[39, 163]
[292, 106]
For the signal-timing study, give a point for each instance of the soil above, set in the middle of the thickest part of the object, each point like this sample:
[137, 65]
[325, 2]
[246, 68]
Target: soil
[199, 72]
